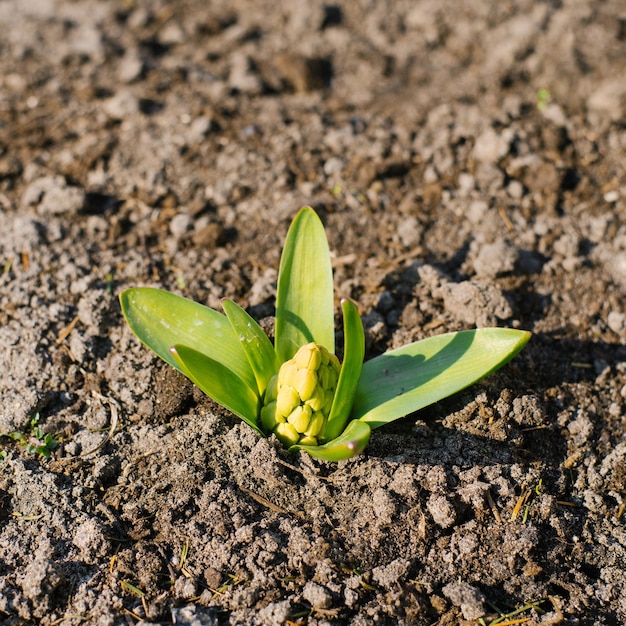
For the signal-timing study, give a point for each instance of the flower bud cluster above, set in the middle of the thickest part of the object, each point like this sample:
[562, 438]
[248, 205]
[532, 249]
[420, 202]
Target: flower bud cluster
[298, 399]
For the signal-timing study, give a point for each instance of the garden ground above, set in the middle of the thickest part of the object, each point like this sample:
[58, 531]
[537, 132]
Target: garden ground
[467, 160]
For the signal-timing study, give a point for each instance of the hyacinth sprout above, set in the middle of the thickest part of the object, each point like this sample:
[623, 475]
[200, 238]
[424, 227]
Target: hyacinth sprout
[297, 389]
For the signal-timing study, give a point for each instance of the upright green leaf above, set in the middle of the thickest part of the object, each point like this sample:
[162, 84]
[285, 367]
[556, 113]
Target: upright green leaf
[407, 379]
[304, 298]
[354, 351]
[161, 319]
[219, 383]
[255, 343]
[350, 443]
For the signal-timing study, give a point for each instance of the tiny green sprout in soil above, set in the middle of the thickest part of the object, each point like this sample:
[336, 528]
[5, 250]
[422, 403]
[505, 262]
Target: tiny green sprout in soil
[36, 441]
[296, 389]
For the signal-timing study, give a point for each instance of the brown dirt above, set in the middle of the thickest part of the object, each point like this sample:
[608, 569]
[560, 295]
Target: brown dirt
[468, 162]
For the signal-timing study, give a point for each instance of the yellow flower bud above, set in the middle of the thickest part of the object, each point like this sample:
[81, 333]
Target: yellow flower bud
[298, 400]
[325, 355]
[287, 374]
[287, 400]
[305, 383]
[316, 401]
[308, 357]
[323, 377]
[316, 424]
[287, 434]
[300, 418]
[328, 378]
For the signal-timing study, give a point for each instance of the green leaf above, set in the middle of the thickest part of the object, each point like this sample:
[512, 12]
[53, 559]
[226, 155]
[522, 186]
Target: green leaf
[405, 380]
[161, 319]
[354, 351]
[219, 383]
[350, 443]
[255, 343]
[304, 297]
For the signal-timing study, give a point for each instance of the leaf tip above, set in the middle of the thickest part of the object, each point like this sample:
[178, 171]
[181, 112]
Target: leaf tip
[525, 336]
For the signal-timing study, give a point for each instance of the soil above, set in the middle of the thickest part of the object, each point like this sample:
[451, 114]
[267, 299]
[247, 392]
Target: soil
[467, 160]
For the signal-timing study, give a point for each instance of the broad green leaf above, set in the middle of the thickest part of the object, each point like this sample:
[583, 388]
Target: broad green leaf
[161, 319]
[354, 351]
[255, 343]
[304, 297]
[350, 443]
[409, 378]
[219, 383]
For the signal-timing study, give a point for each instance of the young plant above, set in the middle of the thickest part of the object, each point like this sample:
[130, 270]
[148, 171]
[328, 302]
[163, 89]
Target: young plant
[296, 388]
[36, 442]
